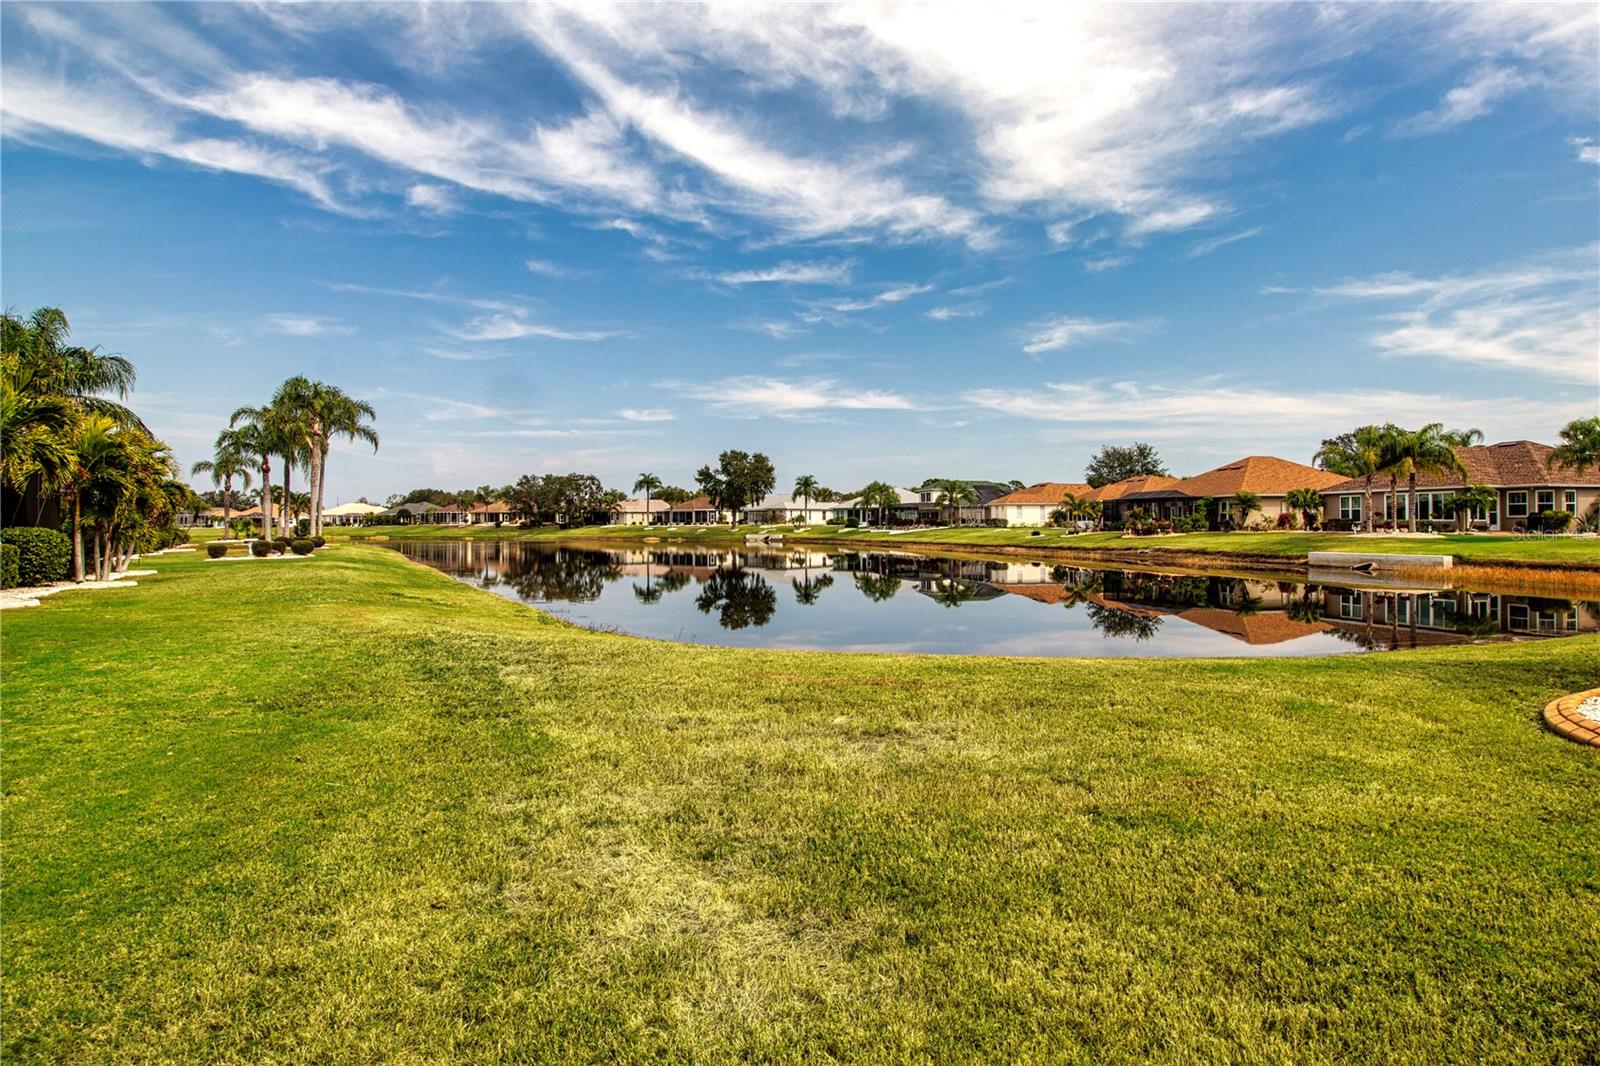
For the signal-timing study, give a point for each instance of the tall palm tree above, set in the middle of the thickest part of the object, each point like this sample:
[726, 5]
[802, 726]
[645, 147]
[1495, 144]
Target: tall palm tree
[1579, 450]
[1357, 454]
[1429, 450]
[805, 487]
[1307, 501]
[953, 495]
[229, 459]
[341, 415]
[257, 441]
[648, 484]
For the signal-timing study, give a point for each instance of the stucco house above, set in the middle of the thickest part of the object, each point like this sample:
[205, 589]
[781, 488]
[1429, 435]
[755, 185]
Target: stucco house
[697, 511]
[1033, 505]
[1517, 470]
[640, 512]
[781, 508]
[1112, 495]
[349, 514]
[1268, 476]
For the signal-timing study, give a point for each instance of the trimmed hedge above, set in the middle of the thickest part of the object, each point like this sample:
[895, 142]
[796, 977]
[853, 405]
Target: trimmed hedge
[9, 556]
[301, 546]
[261, 548]
[43, 555]
[318, 541]
[216, 551]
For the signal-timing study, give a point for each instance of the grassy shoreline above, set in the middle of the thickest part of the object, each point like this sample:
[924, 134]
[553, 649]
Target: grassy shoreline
[363, 811]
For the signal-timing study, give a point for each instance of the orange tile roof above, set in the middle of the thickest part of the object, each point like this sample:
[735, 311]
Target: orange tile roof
[1264, 475]
[1044, 492]
[1143, 483]
[1267, 627]
[701, 502]
[1515, 462]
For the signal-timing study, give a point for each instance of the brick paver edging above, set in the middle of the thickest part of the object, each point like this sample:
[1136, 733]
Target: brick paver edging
[1562, 715]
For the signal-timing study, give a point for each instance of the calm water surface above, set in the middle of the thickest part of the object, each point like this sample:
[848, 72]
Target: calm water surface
[904, 602]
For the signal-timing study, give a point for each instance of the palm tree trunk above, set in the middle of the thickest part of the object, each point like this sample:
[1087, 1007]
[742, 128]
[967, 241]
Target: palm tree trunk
[227, 513]
[1371, 524]
[1411, 501]
[266, 498]
[77, 537]
[288, 509]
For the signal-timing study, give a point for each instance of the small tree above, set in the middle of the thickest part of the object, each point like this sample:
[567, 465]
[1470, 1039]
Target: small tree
[1579, 450]
[647, 484]
[738, 480]
[807, 488]
[1474, 499]
[1245, 503]
[953, 495]
[1308, 502]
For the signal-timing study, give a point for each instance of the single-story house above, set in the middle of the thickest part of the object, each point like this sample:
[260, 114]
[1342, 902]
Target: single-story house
[905, 512]
[1517, 470]
[493, 513]
[1268, 476]
[410, 514]
[1112, 495]
[781, 508]
[640, 512]
[697, 511]
[349, 514]
[929, 512]
[1033, 505]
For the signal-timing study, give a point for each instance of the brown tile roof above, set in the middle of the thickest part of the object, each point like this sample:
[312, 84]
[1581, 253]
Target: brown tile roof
[701, 502]
[1264, 475]
[1267, 627]
[1044, 492]
[1118, 489]
[492, 507]
[1509, 463]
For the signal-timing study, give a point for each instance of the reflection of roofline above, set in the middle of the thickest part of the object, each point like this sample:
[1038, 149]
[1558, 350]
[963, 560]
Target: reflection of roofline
[1263, 627]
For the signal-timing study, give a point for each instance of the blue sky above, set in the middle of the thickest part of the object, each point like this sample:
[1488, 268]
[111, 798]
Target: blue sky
[874, 242]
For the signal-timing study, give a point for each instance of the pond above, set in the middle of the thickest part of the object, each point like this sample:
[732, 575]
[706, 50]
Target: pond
[905, 602]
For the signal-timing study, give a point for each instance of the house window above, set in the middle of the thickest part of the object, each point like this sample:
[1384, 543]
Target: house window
[1544, 500]
[1517, 504]
[1350, 508]
[1570, 501]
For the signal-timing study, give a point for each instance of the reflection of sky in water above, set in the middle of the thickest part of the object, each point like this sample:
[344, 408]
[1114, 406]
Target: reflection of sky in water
[762, 608]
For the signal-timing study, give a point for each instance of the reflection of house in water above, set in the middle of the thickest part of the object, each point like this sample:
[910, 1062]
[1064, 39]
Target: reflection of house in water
[1417, 617]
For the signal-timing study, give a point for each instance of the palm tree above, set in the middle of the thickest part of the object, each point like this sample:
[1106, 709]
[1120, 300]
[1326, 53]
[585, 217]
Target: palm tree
[1307, 501]
[1473, 498]
[647, 484]
[344, 416]
[1430, 450]
[1579, 450]
[1357, 454]
[1392, 460]
[805, 487]
[882, 496]
[230, 459]
[1093, 510]
[953, 495]
[256, 440]
[1071, 506]
[1246, 502]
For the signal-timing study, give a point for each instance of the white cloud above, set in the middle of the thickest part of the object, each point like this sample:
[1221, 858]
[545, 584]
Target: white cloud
[1206, 247]
[1537, 316]
[437, 296]
[293, 325]
[1588, 150]
[1108, 262]
[791, 273]
[435, 198]
[779, 329]
[516, 326]
[545, 268]
[1469, 100]
[1195, 408]
[753, 397]
[1062, 331]
[647, 414]
[945, 314]
[888, 296]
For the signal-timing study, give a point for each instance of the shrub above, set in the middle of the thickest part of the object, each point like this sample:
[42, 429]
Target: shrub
[1287, 520]
[280, 544]
[301, 546]
[997, 523]
[8, 565]
[215, 550]
[852, 523]
[1032, 533]
[43, 555]
[261, 548]
[179, 536]
[1551, 521]
[302, 527]
[318, 541]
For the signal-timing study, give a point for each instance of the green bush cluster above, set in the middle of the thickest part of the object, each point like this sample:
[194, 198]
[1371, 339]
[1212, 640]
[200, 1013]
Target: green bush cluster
[261, 548]
[1550, 521]
[43, 555]
[215, 550]
[9, 566]
[318, 541]
[301, 545]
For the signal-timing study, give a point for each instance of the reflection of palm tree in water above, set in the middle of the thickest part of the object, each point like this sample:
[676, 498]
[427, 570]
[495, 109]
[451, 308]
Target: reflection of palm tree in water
[877, 587]
[1114, 622]
[1079, 586]
[741, 599]
[807, 589]
[953, 591]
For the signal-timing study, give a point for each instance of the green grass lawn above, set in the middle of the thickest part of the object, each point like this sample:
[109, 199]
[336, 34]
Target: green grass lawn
[1467, 548]
[346, 809]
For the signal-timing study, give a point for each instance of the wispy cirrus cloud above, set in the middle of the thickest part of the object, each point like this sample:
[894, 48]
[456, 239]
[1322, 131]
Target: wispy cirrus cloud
[1538, 315]
[809, 398]
[1064, 331]
[296, 325]
[1473, 98]
[516, 325]
[1206, 247]
[646, 414]
[790, 273]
